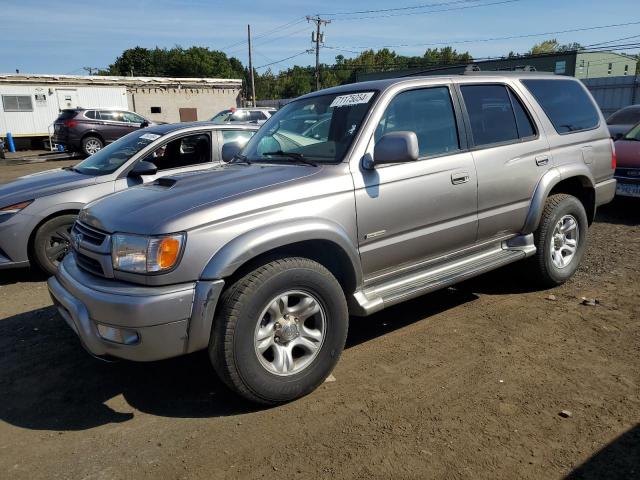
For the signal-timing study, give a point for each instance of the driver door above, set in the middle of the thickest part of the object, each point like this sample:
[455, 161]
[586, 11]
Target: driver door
[416, 211]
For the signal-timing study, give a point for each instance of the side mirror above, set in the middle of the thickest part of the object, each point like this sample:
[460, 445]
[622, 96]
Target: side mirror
[143, 168]
[394, 147]
[144, 124]
[230, 150]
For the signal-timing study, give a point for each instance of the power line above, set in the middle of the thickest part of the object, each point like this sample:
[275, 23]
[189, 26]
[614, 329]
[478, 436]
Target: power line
[284, 26]
[310, 50]
[385, 10]
[465, 7]
[611, 41]
[493, 39]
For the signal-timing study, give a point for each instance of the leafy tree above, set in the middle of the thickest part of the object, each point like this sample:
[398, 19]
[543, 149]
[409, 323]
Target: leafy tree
[552, 46]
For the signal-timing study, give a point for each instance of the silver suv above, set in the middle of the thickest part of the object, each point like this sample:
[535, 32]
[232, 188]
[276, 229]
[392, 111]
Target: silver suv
[411, 185]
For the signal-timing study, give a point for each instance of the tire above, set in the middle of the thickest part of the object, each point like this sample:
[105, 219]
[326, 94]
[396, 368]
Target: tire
[253, 305]
[91, 145]
[548, 268]
[51, 243]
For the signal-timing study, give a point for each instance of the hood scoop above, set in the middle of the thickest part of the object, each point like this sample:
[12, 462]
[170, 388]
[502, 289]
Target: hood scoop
[164, 182]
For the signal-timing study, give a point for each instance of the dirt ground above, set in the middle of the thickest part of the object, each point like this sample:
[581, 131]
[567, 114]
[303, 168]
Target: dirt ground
[463, 383]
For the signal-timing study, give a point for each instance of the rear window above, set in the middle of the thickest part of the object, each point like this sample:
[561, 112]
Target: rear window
[67, 114]
[626, 116]
[566, 104]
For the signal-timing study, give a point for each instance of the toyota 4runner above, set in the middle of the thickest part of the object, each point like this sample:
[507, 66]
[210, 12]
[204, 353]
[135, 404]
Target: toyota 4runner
[410, 186]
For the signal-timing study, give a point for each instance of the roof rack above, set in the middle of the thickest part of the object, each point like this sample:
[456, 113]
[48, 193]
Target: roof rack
[489, 73]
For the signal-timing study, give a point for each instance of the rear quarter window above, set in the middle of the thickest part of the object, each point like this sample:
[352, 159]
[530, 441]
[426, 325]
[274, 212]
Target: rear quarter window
[565, 102]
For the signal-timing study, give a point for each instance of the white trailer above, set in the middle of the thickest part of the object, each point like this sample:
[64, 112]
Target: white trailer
[27, 110]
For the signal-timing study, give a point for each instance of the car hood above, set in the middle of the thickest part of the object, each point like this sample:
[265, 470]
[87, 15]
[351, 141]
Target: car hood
[628, 153]
[178, 202]
[41, 184]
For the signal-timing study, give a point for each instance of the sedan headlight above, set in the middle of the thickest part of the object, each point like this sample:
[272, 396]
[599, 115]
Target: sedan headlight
[140, 254]
[15, 208]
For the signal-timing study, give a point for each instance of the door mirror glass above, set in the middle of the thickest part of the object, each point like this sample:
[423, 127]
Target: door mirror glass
[230, 150]
[144, 124]
[394, 147]
[143, 168]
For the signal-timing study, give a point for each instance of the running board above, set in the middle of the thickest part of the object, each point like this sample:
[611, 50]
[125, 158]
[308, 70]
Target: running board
[376, 297]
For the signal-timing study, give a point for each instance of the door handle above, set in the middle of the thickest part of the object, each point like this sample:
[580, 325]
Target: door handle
[459, 178]
[542, 160]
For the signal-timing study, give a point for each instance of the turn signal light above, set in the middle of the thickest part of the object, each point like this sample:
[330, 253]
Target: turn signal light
[168, 251]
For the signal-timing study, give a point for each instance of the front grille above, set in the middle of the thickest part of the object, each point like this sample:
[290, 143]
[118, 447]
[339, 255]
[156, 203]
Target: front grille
[89, 264]
[89, 235]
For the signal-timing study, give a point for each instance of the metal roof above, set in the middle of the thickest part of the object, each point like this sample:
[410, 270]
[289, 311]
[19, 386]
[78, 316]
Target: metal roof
[20, 78]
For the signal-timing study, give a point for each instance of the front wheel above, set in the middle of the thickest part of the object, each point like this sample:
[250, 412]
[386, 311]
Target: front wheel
[280, 330]
[52, 242]
[560, 240]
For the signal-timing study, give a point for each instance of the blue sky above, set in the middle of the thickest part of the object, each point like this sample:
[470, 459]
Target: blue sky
[61, 37]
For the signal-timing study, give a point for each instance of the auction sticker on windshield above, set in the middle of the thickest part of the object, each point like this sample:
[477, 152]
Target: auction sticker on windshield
[150, 136]
[351, 99]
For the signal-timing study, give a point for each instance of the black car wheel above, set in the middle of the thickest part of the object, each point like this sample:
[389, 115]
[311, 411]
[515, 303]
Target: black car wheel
[280, 330]
[91, 145]
[52, 242]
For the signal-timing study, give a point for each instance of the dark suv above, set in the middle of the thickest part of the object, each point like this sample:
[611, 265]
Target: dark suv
[88, 130]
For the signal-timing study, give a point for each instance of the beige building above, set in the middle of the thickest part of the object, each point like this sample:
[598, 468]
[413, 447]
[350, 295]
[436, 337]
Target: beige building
[29, 104]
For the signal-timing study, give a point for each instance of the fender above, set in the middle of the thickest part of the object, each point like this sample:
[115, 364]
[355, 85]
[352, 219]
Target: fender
[260, 240]
[549, 180]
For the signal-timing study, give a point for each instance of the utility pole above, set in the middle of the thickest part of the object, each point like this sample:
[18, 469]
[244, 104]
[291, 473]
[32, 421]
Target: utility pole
[317, 37]
[253, 82]
[90, 69]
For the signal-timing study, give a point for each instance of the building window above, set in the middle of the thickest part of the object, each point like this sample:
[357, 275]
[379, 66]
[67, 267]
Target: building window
[626, 69]
[17, 103]
[609, 69]
[561, 67]
[156, 110]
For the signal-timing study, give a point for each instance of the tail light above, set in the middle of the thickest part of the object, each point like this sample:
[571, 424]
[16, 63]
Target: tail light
[70, 123]
[614, 157]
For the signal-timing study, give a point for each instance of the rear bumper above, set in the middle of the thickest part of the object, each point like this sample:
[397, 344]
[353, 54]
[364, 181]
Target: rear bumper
[168, 321]
[605, 191]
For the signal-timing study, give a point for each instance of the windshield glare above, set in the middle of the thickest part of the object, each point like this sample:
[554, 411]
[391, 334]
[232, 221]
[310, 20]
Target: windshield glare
[116, 154]
[320, 129]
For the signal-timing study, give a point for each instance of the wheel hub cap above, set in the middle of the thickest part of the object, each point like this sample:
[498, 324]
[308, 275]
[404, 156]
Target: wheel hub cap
[564, 241]
[290, 332]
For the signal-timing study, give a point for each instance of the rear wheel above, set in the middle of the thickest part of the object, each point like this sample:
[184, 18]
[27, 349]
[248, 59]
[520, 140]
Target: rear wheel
[91, 145]
[560, 240]
[280, 330]
[52, 242]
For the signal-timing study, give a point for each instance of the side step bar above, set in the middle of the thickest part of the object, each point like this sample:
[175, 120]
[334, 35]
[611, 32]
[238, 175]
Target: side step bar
[398, 289]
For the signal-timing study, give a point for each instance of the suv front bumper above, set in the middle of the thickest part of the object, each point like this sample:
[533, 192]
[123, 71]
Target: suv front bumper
[158, 322]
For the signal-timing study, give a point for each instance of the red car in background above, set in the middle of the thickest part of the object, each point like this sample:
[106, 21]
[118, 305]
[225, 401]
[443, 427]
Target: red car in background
[628, 167]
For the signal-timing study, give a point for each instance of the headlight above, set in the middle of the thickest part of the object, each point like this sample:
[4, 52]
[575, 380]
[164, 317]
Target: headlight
[15, 208]
[140, 254]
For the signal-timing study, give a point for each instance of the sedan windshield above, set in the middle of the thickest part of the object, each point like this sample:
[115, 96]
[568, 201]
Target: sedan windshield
[316, 129]
[116, 154]
[633, 134]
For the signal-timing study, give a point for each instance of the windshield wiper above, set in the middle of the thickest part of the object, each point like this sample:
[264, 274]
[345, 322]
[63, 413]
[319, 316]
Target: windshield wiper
[294, 155]
[239, 158]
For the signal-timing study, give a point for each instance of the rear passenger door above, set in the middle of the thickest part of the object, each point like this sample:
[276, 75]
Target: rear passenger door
[413, 211]
[511, 155]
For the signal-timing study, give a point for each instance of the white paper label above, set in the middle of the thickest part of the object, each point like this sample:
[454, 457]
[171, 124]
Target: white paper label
[150, 136]
[351, 99]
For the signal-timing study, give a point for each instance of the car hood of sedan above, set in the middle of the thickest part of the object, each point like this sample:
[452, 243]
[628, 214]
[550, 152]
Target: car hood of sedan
[628, 153]
[42, 184]
[185, 200]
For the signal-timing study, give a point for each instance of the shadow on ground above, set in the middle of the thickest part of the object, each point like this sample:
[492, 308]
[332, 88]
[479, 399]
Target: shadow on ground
[49, 382]
[620, 460]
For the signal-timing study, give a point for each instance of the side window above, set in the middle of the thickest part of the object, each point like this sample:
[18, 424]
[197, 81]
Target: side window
[257, 116]
[490, 114]
[523, 120]
[183, 152]
[429, 113]
[240, 136]
[239, 116]
[566, 103]
[110, 116]
[131, 117]
[90, 114]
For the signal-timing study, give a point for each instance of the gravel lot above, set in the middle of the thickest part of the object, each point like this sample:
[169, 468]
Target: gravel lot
[464, 383]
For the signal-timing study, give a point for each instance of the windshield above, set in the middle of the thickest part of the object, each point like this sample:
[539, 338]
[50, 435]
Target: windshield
[116, 154]
[317, 129]
[633, 134]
